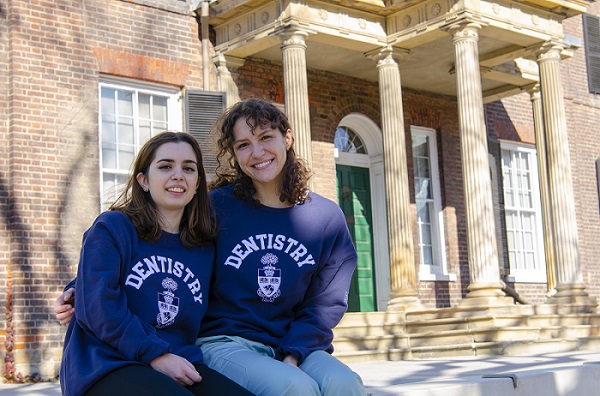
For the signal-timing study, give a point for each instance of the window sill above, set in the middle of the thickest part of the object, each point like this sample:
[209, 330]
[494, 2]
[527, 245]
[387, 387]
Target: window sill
[425, 277]
[536, 278]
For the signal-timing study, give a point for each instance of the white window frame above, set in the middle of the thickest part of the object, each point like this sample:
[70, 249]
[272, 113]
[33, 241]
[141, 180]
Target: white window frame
[439, 270]
[524, 275]
[174, 119]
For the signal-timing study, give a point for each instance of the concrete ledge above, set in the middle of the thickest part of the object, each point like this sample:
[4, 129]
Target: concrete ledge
[564, 374]
[576, 374]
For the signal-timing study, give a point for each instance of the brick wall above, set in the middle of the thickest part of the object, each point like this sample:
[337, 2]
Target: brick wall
[583, 113]
[4, 175]
[49, 142]
[58, 51]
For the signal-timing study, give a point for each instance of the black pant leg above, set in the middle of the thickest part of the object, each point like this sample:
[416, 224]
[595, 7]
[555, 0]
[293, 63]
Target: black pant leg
[216, 384]
[137, 380]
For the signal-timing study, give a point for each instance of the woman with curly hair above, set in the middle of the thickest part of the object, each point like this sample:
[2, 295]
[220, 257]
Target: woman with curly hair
[285, 260]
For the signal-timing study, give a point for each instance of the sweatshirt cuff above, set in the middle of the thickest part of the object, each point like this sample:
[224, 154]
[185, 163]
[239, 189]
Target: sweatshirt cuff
[70, 285]
[299, 353]
[151, 349]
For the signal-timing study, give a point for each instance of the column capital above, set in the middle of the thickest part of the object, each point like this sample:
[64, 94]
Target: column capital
[466, 26]
[549, 51]
[293, 35]
[387, 55]
[225, 61]
[534, 91]
[226, 80]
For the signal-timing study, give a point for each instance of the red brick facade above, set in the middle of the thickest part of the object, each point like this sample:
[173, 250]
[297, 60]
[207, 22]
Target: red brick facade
[53, 56]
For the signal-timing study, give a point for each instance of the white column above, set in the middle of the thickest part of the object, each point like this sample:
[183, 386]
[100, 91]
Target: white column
[569, 278]
[485, 287]
[225, 79]
[296, 88]
[540, 145]
[403, 277]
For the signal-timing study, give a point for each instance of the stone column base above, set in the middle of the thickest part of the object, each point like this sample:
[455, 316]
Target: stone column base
[487, 295]
[404, 303]
[575, 297]
[486, 301]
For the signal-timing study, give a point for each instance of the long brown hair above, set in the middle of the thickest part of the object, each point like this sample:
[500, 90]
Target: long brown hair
[197, 225]
[258, 113]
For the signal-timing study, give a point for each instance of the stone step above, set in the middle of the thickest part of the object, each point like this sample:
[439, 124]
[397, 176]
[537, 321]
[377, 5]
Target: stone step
[376, 325]
[591, 343]
[473, 323]
[373, 356]
[503, 310]
[586, 335]
[371, 318]
[371, 343]
[565, 320]
[514, 348]
[472, 332]
[580, 331]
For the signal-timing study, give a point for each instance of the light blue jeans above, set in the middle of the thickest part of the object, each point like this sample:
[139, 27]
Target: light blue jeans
[252, 365]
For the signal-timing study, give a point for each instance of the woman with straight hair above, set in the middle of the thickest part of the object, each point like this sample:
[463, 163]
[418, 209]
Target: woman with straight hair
[143, 282]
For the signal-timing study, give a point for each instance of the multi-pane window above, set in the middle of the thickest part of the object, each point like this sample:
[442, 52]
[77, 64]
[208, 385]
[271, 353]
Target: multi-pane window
[347, 141]
[430, 227]
[523, 214]
[129, 115]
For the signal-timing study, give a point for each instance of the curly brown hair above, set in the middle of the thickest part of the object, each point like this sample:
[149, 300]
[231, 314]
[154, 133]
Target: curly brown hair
[198, 225]
[258, 113]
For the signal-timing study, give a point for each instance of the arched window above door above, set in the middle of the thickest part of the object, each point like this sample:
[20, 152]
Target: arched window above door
[348, 141]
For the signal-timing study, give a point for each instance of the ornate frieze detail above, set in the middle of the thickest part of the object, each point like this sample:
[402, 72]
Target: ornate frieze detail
[422, 13]
[407, 23]
[515, 16]
[421, 16]
[323, 14]
[265, 17]
[243, 24]
[510, 16]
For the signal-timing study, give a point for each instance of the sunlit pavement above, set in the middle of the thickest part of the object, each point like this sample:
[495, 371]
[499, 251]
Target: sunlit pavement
[574, 373]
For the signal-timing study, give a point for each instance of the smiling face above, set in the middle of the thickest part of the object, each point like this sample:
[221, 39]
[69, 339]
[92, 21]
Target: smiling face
[261, 154]
[171, 179]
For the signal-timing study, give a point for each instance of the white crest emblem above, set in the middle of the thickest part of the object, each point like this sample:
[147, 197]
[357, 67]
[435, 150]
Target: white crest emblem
[269, 278]
[168, 304]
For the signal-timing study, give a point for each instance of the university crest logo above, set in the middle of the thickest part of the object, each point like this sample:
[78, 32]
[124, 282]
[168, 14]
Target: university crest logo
[168, 304]
[269, 278]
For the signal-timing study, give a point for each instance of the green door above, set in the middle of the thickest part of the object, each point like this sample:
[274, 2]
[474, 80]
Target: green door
[354, 197]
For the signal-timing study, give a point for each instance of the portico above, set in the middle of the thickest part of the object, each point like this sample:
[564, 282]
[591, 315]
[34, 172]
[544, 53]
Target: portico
[476, 52]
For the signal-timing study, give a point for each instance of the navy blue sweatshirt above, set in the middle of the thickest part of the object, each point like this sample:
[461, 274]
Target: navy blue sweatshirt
[135, 301]
[282, 274]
